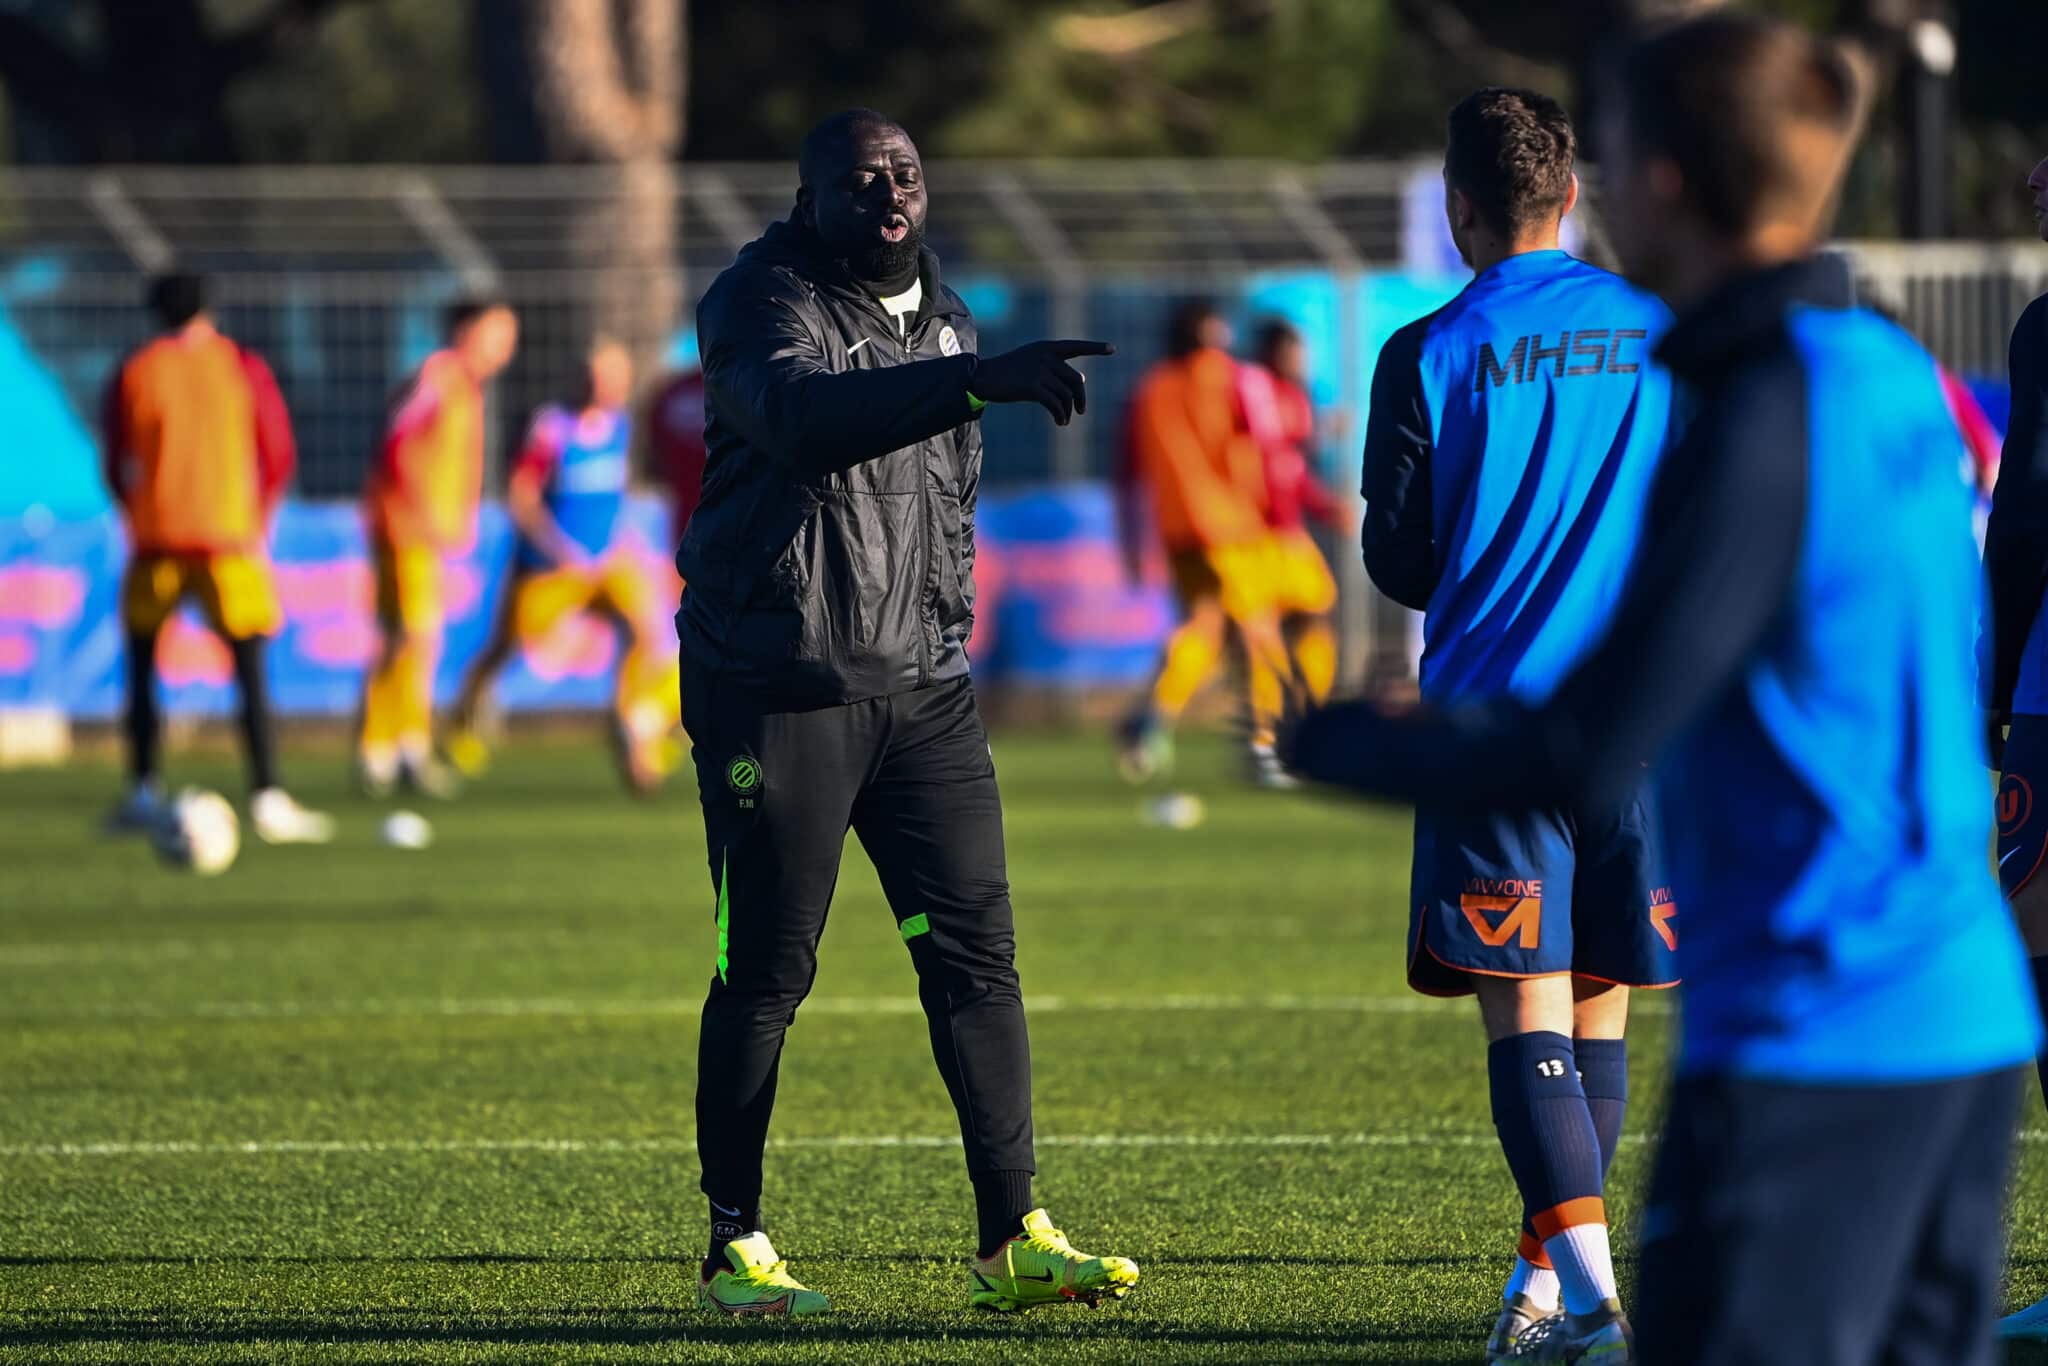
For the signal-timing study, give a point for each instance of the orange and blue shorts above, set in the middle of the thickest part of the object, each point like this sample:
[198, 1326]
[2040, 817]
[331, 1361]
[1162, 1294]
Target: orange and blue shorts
[1540, 893]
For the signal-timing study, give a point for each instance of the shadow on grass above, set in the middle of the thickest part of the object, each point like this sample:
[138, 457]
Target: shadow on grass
[130, 1330]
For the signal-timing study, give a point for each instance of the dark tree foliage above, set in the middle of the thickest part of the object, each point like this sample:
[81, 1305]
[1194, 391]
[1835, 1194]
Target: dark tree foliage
[140, 80]
[445, 80]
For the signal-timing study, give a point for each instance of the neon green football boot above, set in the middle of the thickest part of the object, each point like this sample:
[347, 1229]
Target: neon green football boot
[758, 1283]
[1039, 1266]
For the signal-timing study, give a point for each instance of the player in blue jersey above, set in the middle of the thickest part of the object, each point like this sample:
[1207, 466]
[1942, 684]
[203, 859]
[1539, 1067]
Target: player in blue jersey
[1511, 442]
[2013, 660]
[567, 498]
[1792, 651]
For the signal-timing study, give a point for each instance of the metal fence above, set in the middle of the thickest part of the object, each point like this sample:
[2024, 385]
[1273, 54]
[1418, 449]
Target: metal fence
[1961, 298]
[338, 274]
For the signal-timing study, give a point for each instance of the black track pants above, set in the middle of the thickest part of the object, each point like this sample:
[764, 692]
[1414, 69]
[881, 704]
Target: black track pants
[911, 775]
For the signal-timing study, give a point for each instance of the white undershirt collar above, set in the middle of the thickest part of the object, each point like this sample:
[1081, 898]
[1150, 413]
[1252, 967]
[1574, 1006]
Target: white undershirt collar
[902, 307]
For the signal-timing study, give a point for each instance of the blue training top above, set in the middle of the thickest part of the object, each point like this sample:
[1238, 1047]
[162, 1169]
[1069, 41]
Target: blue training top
[1830, 816]
[1792, 650]
[1513, 439]
[585, 468]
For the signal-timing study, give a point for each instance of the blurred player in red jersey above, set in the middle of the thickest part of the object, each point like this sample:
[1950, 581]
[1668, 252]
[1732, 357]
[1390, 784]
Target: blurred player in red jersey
[1273, 391]
[568, 502]
[198, 452]
[420, 506]
[675, 430]
[676, 451]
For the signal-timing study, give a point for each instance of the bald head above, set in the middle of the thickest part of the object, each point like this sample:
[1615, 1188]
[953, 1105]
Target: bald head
[826, 146]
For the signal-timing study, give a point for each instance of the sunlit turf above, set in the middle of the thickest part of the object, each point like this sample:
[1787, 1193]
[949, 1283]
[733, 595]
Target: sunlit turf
[464, 1076]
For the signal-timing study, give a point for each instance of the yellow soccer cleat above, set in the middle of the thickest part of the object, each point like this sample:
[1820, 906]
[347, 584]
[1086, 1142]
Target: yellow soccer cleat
[758, 1283]
[1039, 1266]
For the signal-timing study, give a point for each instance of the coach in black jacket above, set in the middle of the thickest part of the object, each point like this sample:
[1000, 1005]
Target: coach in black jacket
[830, 571]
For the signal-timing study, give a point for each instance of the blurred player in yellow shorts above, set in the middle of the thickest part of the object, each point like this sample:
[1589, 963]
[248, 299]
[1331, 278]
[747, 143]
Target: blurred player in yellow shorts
[232, 589]
[420, 507]
[1273, 391]
[567, 499]
[198, 452]
[1194, 458]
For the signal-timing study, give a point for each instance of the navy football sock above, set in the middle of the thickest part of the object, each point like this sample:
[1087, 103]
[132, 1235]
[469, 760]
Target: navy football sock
[1546, 1131]
[2040, 967]
[1603, 1072]
[1540, 1112]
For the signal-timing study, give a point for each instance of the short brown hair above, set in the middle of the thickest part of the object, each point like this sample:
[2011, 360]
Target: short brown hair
[1758, 115]
[1511, 151]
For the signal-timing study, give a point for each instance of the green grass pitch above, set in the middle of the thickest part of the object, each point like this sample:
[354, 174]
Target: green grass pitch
[464, 1077]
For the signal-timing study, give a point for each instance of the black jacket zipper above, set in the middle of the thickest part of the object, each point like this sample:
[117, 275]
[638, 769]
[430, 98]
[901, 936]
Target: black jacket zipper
[926, 590]
[927, 595]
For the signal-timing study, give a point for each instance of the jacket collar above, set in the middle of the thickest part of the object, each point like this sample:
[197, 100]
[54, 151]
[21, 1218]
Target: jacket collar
[789, 243]
[1742, 311]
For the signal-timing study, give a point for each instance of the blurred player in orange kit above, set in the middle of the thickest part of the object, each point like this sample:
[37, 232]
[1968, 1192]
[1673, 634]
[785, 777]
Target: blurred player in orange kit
[1274, 392]
[1200, 468]
[198, 452]
[568, 502]
[419, 507]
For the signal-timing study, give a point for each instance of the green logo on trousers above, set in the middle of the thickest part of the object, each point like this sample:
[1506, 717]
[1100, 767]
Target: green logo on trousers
[743, 775]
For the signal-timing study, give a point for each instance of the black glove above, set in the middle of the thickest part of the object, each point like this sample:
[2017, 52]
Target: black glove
[1038, 373]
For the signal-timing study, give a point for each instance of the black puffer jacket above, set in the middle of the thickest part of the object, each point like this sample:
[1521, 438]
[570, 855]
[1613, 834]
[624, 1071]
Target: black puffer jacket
[832, 556]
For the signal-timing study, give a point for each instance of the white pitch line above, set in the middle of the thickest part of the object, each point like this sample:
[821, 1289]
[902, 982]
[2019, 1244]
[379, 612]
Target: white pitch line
[601, 1146]
[1419, 1138]
[689, 1006]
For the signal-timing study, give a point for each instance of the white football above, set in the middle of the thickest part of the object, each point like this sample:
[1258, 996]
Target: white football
[1175, 811]
[406, 830]
[200, 831]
